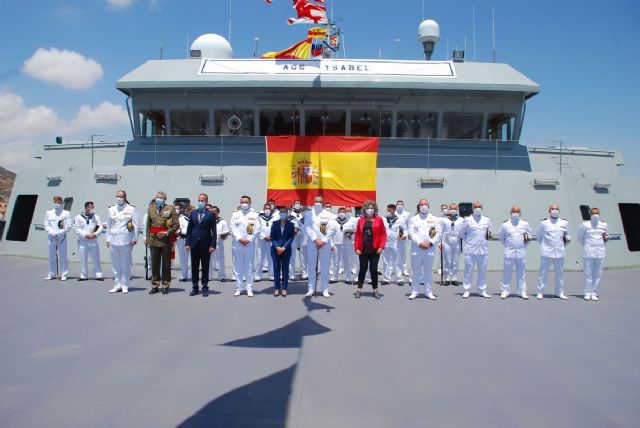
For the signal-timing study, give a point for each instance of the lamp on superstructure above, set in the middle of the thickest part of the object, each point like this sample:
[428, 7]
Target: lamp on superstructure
[428, 35]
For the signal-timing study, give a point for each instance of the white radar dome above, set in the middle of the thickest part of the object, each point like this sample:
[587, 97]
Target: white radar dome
[212, 46]
[429, 31]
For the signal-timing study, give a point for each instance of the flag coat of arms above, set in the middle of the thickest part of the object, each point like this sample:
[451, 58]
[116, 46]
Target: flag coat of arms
[341, 169]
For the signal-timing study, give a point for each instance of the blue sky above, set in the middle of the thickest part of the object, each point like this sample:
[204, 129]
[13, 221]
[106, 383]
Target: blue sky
[583, 53]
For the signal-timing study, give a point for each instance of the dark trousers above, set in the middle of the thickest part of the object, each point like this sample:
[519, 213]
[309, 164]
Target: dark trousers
[281, 265]
[370, 260]
[160, 255]
[200, 255]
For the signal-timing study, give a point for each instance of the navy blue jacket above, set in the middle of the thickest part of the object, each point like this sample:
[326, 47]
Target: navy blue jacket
[279, 239]
[201, 233]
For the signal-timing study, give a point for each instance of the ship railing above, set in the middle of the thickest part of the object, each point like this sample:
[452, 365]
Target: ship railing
[93, 142]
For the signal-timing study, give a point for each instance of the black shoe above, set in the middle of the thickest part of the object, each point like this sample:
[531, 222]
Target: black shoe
[165, 290]
[447, 283]
[455, 283]
[205, 292]
[99, 279]
[153, 290]
[82, 279]
[223, 280]
[183, 280]
[194, 292]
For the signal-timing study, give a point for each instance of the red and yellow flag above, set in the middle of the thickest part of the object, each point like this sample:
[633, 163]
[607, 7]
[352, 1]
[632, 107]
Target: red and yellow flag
[341, 169]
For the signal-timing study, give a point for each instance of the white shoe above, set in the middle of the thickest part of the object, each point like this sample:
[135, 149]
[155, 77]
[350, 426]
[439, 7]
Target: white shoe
[125, 290]
[237, 293]
[249, 293]
[63, 278]
[309, 293]
[115, 289]
[49, 277]
[504, 294]
[524, 296]
[587, 297]
[413, 295]
[326, 294]
[257, 278]
[466, 295]
[406, 273]
[485, 295]
[561, 296]
[539, 296]
[594, 297]
[431, 296]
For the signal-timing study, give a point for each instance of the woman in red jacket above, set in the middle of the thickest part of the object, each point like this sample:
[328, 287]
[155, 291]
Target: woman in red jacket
[369, 242]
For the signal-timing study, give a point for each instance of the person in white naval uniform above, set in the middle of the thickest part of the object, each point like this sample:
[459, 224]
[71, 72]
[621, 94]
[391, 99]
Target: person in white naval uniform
[444, 217]
[514, 234]
[263, 246]
[294, 245]
[424, 231]
[299, 246]
[390, 255]
[476, 231]
[122, 233]
[592, 236]
[404, 215]
[57, 222]
[343, 243]
[222, 230]
[553, 236]
[88, 227]
[245, 229]
[183, 256]
[451, 244]
[320, 230]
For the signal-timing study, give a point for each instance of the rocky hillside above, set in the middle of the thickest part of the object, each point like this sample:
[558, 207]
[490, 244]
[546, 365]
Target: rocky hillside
[6, 183]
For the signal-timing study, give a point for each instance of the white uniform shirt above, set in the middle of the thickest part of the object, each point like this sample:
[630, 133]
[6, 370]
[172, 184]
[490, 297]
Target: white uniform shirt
[222, 229]
[451, 230]
[83, 225]
[265, 225]
[301, 238]
[420, 228]
[315, 221]
[512, 237]
[591, 236]
[393, 230]
[183, 222]
[245, 225]
[119, 217]
[404, 221]
[474, 234]
[550, 235]
[52, 222]
[347, 225]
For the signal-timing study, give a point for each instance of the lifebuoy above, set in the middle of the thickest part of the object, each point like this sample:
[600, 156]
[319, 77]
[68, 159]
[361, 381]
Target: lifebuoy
[234, 123]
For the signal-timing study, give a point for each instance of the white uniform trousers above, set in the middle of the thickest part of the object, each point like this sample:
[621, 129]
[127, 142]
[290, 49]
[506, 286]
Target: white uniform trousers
[391, 265]
[421, 268]
[217, 262]
[558, 267]
[402, 254]
[121, 261]
[243, 262]
[263, 250]
[470, 260]
[451, 258]
[344, 255]
[86, 249]
[292, 263]
[521, 286]
[592, 274]
[304, 261]
[62, 256]
[322, 257]
[183, 256]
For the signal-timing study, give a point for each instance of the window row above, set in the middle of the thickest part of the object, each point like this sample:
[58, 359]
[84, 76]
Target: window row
[362, 123]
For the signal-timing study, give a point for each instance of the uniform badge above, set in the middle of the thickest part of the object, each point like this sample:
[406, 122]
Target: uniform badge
[432, 232]
[130, 225]
[61, 224]
[489, 235]
[605, 237]
[250, 228]
[323, 228]
[167, 223]
[526, 237]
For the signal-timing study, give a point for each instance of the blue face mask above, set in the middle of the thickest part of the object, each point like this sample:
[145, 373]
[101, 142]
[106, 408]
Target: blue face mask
[283, 216]
[201, 205]
[159, 202]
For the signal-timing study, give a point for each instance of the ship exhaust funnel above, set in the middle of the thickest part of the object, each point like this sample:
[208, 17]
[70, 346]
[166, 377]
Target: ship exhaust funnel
[428, 35]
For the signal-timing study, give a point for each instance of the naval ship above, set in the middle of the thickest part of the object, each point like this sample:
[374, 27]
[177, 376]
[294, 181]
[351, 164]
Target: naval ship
[449, 131]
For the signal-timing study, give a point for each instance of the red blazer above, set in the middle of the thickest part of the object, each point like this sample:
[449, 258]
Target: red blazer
[379, 234]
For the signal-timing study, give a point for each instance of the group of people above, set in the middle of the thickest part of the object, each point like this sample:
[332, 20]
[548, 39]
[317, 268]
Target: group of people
[326, 243]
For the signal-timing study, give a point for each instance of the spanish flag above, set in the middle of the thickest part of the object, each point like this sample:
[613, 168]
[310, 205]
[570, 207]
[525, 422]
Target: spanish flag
[310, 47]
[340, 169]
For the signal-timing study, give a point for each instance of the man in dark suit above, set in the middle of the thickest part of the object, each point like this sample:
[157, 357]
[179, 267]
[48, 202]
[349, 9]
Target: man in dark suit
[201, 242]
[282, 234]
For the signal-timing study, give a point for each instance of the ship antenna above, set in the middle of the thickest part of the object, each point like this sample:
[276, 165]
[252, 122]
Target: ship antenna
[423, 10]
[493, 27]
[161, 50]
[474, 31]
[229, 38]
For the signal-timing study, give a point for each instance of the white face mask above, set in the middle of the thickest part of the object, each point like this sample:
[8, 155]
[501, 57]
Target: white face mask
[477, 212]
[369, 211]
[91, 211]
[554, 213]
[595, 217]
[57, 206]
[296, 207]
[515, 216]
[424, 209]
[318, 205]
[349, 214]
[453, 212]
[342, 215]
[327, 209]
[399, 208]
[119, 200]
[244, 206]
[267, 212]
[445, 212]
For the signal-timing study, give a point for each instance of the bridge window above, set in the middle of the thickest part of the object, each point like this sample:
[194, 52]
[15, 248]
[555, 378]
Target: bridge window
[500, 126]
[228, 122]
[630, 215]
[325, 122]
[152, 123]
[370, 123]
[23, 210]
[190, 122]
[416, 124]
[280, 122]
[462, 126]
